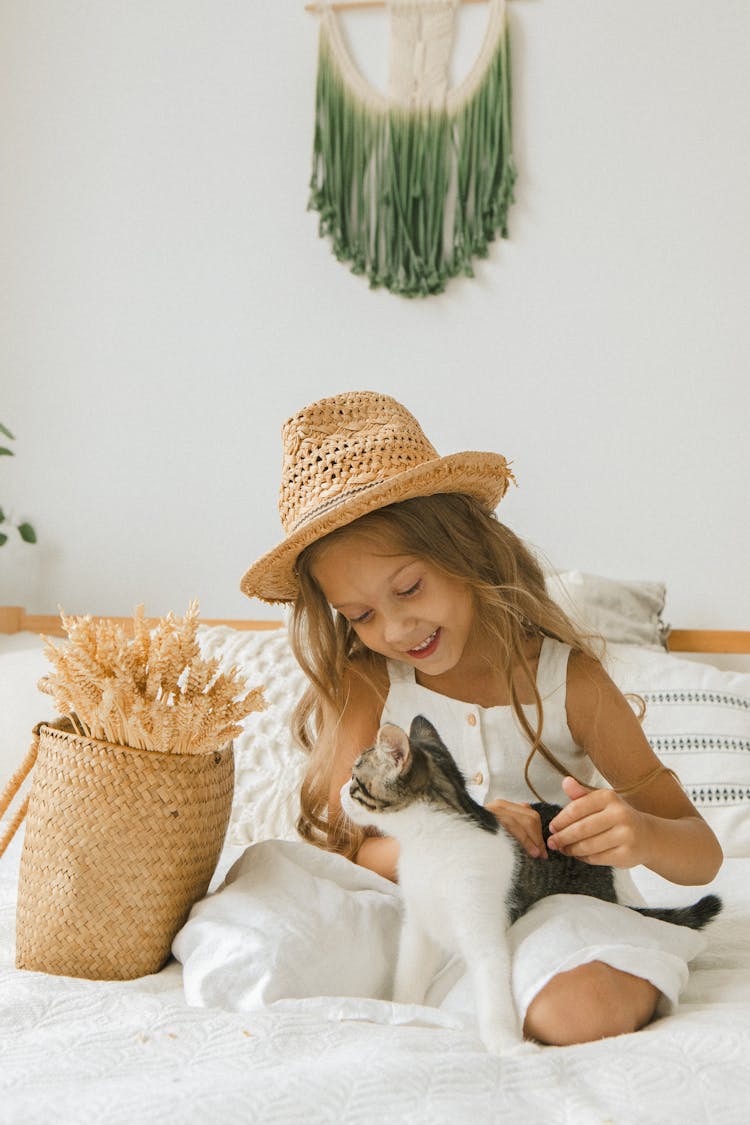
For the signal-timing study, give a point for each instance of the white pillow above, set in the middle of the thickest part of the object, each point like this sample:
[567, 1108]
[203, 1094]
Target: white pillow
[22, 705]
[269, 766]
[291, 921]
[698, 722]
[621, 612]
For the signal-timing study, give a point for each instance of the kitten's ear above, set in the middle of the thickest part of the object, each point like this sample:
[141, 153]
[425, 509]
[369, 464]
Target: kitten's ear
[422, 730]
[395, 743]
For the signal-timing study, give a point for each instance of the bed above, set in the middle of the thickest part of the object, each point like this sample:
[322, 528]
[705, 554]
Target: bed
[290, 1048]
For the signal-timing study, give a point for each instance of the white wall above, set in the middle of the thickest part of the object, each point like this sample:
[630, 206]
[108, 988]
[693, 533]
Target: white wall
[166, 302]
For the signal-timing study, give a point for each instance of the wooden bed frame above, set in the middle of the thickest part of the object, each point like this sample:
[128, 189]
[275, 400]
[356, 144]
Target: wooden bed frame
[15, 619]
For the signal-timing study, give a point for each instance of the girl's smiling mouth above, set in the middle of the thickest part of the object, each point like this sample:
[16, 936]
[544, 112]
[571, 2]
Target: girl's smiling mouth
[427, 647]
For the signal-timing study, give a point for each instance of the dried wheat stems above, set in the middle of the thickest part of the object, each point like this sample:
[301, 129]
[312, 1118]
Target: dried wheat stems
[154, 691]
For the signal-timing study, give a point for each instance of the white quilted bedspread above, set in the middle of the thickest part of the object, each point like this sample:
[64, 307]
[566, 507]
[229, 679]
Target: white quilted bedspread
[134, 1052]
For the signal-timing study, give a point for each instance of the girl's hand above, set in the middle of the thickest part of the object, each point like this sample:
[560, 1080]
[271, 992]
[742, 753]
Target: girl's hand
[523, 823]
[598, 827]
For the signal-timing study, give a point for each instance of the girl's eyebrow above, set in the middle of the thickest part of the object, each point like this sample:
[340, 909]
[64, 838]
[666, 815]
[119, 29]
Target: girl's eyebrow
[391, 578]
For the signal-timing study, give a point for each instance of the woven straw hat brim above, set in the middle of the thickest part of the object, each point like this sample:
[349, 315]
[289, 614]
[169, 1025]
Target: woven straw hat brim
[484, 476]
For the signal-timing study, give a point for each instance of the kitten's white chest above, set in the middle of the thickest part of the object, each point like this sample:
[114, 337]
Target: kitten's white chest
[455, 879]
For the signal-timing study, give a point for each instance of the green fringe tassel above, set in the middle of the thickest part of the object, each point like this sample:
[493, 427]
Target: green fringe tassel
[411, 198]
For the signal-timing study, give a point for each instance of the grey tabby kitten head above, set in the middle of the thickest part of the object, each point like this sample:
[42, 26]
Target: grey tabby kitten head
[401, 769]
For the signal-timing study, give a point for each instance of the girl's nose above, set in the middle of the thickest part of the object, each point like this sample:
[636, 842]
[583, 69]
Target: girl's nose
[398, 628]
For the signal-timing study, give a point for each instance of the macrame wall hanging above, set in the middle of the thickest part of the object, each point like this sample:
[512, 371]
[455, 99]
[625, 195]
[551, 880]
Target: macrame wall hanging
[413, 185]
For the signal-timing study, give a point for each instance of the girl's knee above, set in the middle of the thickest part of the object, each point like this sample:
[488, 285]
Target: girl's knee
[591, 1002]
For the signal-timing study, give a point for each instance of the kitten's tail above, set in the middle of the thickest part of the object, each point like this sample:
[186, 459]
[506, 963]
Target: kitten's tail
[695, 917]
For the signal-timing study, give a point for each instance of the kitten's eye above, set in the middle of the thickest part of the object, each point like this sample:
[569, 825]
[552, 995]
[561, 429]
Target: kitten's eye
[361, 794]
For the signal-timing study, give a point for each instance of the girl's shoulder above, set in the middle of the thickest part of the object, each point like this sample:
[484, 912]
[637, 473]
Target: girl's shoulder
[593, 701]
[587, 675]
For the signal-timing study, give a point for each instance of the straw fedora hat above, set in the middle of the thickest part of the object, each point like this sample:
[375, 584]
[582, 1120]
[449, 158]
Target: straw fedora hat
[348, 455]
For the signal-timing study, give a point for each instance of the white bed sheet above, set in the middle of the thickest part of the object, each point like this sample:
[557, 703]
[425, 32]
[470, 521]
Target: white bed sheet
[84, 1052]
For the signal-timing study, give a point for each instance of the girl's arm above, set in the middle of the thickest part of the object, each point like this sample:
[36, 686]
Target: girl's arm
[380, 854]
[354, 733]
[656, 824]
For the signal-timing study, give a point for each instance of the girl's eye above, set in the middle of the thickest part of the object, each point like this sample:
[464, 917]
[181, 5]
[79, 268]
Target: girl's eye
[408, 593]
[412, 589]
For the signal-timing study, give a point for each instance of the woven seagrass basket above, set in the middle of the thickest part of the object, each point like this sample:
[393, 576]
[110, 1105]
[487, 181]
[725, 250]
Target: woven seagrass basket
[119, 844]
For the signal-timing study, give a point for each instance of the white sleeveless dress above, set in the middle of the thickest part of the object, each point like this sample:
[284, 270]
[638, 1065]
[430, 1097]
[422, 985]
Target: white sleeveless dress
[563, 931]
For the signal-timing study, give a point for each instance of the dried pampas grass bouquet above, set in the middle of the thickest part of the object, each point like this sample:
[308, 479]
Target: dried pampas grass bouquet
[152, 690]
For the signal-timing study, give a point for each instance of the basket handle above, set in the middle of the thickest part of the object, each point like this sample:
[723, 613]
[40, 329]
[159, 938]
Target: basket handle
[62, 722]
[11, 789]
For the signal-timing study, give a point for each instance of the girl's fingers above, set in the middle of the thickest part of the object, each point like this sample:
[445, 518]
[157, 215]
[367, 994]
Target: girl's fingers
[535, 848]
[574, 789]
[581, 807]
[535, 842]
[581, 829]
[591, 850]
[611, 857]
[592, 845]
[523, 823]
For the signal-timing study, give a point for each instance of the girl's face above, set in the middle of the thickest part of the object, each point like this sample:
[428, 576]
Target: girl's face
[401, 606]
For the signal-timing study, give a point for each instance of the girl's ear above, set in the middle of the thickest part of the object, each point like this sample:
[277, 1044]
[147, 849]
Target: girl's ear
[395, 743]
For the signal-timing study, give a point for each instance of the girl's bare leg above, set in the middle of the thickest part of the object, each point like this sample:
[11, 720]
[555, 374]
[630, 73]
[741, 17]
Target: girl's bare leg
[591, 1002]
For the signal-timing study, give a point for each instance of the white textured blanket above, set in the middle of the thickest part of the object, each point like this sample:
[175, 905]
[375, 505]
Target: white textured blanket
[82, 1051]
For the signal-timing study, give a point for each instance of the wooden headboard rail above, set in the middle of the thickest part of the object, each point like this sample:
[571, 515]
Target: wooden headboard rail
[14, 619]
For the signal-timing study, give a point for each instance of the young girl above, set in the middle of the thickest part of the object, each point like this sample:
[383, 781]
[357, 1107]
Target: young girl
[409, 597]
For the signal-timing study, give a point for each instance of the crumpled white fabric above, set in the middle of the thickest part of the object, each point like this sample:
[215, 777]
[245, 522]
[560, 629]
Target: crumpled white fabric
[295, 922]
[291, 921]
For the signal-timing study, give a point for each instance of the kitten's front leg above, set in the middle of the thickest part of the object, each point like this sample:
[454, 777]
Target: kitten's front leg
[496, 1010]
[418, 960]
[487, 955]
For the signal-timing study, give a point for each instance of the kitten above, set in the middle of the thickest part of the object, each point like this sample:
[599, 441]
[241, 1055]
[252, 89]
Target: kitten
[456, 863]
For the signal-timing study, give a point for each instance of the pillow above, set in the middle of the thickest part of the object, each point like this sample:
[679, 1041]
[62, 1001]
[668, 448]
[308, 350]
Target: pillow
[269, 766]
[621, 612]
[698, 723]
[291, 921]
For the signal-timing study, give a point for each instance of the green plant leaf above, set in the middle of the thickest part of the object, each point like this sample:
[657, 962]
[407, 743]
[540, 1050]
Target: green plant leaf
[27, 533]
[6, 431]
[5, 452]
[3, 538]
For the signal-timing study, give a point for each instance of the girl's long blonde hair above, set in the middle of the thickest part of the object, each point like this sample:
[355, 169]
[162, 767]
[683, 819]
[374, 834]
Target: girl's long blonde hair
[457, 535]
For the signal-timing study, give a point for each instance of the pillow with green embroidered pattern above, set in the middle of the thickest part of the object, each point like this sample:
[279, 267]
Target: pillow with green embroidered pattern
[698, 723]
